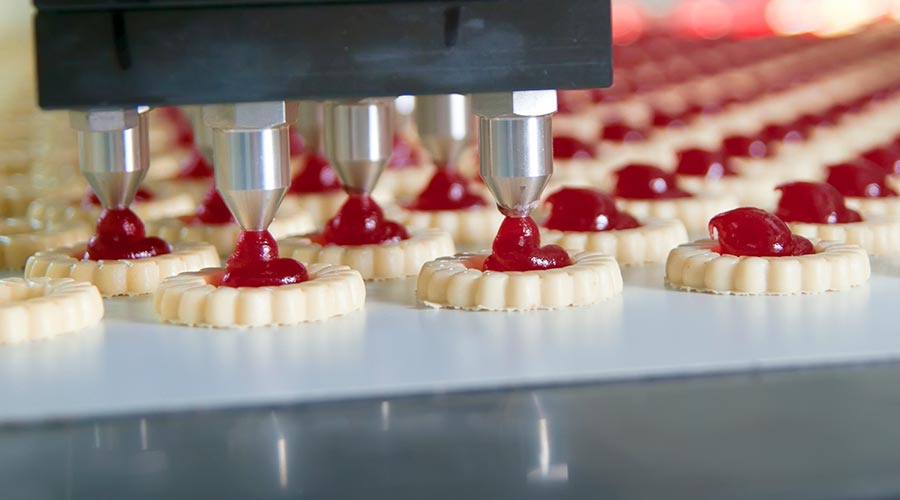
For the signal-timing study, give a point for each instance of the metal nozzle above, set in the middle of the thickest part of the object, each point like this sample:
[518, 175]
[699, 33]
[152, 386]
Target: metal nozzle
[309, 124]
[203, 135]
[358, 140]
[251, 145]
[515, 143]
[113, 151]
[444, 123]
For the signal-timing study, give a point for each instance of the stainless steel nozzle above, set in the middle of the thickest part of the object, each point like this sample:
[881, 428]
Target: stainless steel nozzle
[444, 123]
[515, 143]
[358, 140]
[309, 124]
[251, 154]
[113, 151]
[203, 135]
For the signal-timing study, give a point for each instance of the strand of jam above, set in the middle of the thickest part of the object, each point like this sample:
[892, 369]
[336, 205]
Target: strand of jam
[142, 194]
[813, 202]
[584, 209]
[752, 232]
[120, 234]
[859, 179]
[255, 263]
[700, 162]
[517, 247]
[317, 176]
[645, 182]
[447, 190]
[360, 221]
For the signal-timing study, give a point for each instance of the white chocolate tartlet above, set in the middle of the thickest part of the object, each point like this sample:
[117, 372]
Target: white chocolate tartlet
[40, 308]
[122, 276]
[651, 242]
[376, 261]
[835, 266]
[458, 282]
[191, 299]
[876, 235]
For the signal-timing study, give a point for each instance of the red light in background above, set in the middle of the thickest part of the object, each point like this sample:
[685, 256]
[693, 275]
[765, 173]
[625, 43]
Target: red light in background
[628, 21]
[709, 19]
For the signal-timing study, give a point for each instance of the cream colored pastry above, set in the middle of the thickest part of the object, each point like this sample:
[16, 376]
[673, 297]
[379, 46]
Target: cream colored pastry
[694, 212]
[320, 206]
[193, 299]
[123, 276]
[195, 188]
[22, 238]
[834, 266]
[649, 151]
[169, 164]
[874, 206]
[402, 183]
[224, 236]
[376, 261]
[161, 206]
[40, 308]
[650, 242]
[878, 235]
[16, 198]
[758, 191]
[472, 226]
[457, 282]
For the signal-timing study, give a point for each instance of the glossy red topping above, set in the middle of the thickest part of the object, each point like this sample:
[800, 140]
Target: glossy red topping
[751, 232]
[644, 182]
[142, 194]
[120, 234]
[517, 247]
[814, 202]
[196, 167]
[360, 221]
[886, 158]
[446, 190]
[783, 133]
[739, 145]
[663, 119]
[584, 209]
[317, 176]
[570, 148]
[255, 263]
[404, 154]
[700, 162]
[859, 179]
[212, 210]
[297, 146]
[619, 132]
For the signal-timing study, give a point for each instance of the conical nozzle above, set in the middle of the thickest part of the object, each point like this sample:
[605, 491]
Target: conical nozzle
[444, 123]
[113, 152]
[358, 140]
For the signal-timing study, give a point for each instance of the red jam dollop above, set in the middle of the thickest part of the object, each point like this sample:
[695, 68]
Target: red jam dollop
[645, 182]
[360, 221]
[120, 234]
[861, 180]
[255, 263]
[196, 167]
[142, 194]
[743, 146]
[619, 132]
[447, 190]
[570, 148]
[212, 210]
[404, 155]
[813, 202]
[700, 162]
[791, 133]
[886, 158]
[585, 209]
[517, 247]
[752, 232]
[317, 176]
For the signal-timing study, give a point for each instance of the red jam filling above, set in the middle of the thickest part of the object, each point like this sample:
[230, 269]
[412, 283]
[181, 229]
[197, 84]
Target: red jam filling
[447, 190]
[751, 232]
[739, 145]
[317, 176]
[360, 221]
[196, 167]
[887, 158]
[783, 133]
[142, 194]
[662, 119]
[212, 210]
[404, 155]
[619, 132]
[255, 263]
[813, 202]
[120, 234]
[645, 182]
[700, 162]
[517, 247]
[570, 148]
[584, 209]
[859, 180]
